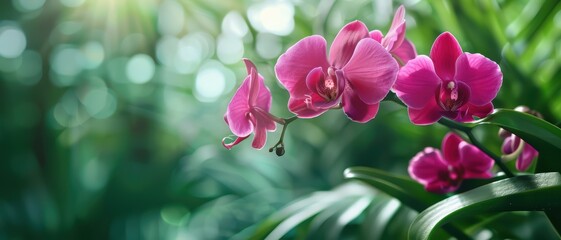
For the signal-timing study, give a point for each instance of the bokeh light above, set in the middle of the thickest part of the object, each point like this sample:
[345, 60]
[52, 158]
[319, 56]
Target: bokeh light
[212, 80]
[12, 40]
[276, 17]
[72, 3]
[140, 68]
[28, 5]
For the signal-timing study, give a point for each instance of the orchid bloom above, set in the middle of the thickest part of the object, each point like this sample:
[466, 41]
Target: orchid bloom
[358, 74]
[394, 42]
[450, 83]
[248, 110]
[444, 172]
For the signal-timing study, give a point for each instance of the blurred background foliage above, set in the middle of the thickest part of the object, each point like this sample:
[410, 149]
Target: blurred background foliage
[111, 114]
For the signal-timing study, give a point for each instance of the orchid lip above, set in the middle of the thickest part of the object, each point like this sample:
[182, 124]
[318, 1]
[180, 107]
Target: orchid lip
[452, 95]
[328, 88]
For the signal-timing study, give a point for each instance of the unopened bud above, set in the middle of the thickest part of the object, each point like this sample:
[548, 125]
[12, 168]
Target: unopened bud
[279, 151]
[526, 109]
[503, 134]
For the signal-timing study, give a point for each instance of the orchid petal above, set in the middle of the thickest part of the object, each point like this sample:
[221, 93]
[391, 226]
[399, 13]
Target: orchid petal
[469, 110]
[417, 82]
[371, 71]
[525, 159]
[451, 148]
[345, 42]
[396, 34]
[304, 108]
[294, 65]
[509, 145]
[405, 52]
[476, 163]
[253, 82]
[429, 169]
[377, 35]
[427, 115]
[234, 143]
[483, 76]
[356, 109]
[444, 53]
[425, 166]
[262, 124]
[238, 110]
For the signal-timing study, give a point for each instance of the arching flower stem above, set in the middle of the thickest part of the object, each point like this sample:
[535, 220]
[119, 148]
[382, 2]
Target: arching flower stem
[465, 128]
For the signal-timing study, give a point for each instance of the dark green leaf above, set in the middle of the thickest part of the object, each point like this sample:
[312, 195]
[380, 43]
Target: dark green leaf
[540, 192]
[542, 135]
[404, 189]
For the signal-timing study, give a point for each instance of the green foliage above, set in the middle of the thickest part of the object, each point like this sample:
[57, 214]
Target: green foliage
[539, 192]
[86, 152]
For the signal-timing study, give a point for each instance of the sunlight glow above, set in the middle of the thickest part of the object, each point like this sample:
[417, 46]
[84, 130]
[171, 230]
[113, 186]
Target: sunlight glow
[272, 17]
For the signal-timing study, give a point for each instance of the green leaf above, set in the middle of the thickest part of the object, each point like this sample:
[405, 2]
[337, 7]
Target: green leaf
[539, 192]
[542, 135]
[404, 189]
[328, 203]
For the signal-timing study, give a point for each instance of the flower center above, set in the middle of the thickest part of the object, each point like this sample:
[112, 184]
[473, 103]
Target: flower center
[328, 88]
[453, 176]
[452, 95]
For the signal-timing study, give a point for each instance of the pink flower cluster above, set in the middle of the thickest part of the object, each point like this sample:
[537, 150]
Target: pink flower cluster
[442, 172]
[357, 71]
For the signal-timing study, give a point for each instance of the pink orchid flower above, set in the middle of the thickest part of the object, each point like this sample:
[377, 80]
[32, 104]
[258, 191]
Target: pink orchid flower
[450, 83]
[525, 157]
[358, 74]
[444, 172]
[395, 42]
[248, 110]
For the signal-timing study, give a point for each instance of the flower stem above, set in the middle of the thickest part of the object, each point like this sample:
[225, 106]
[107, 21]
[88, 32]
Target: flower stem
[466, 128]
[280, 143]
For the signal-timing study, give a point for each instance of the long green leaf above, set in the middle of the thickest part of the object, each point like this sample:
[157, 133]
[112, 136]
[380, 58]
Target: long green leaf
[542, 135]
[405, 190]
[539, 192]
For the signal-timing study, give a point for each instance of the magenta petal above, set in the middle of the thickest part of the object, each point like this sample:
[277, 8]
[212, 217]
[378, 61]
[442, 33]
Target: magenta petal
[314, 78]
[405, 52]
[356, 109]
[427, 115]
[260, 136]
[425, 166]
[398, 18]
[483, 76]
[468, 111]
[509, 146]
[253, 82]
[303, 107]
[444, 52]
[396, 34]
[294, 65]
[262, 124]
[525, 159]
[345, 42]
[371, 71]
[417, 82]
[476, 163]
[234, 143]
[377, 35]
[238, 110]
[451, 148]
